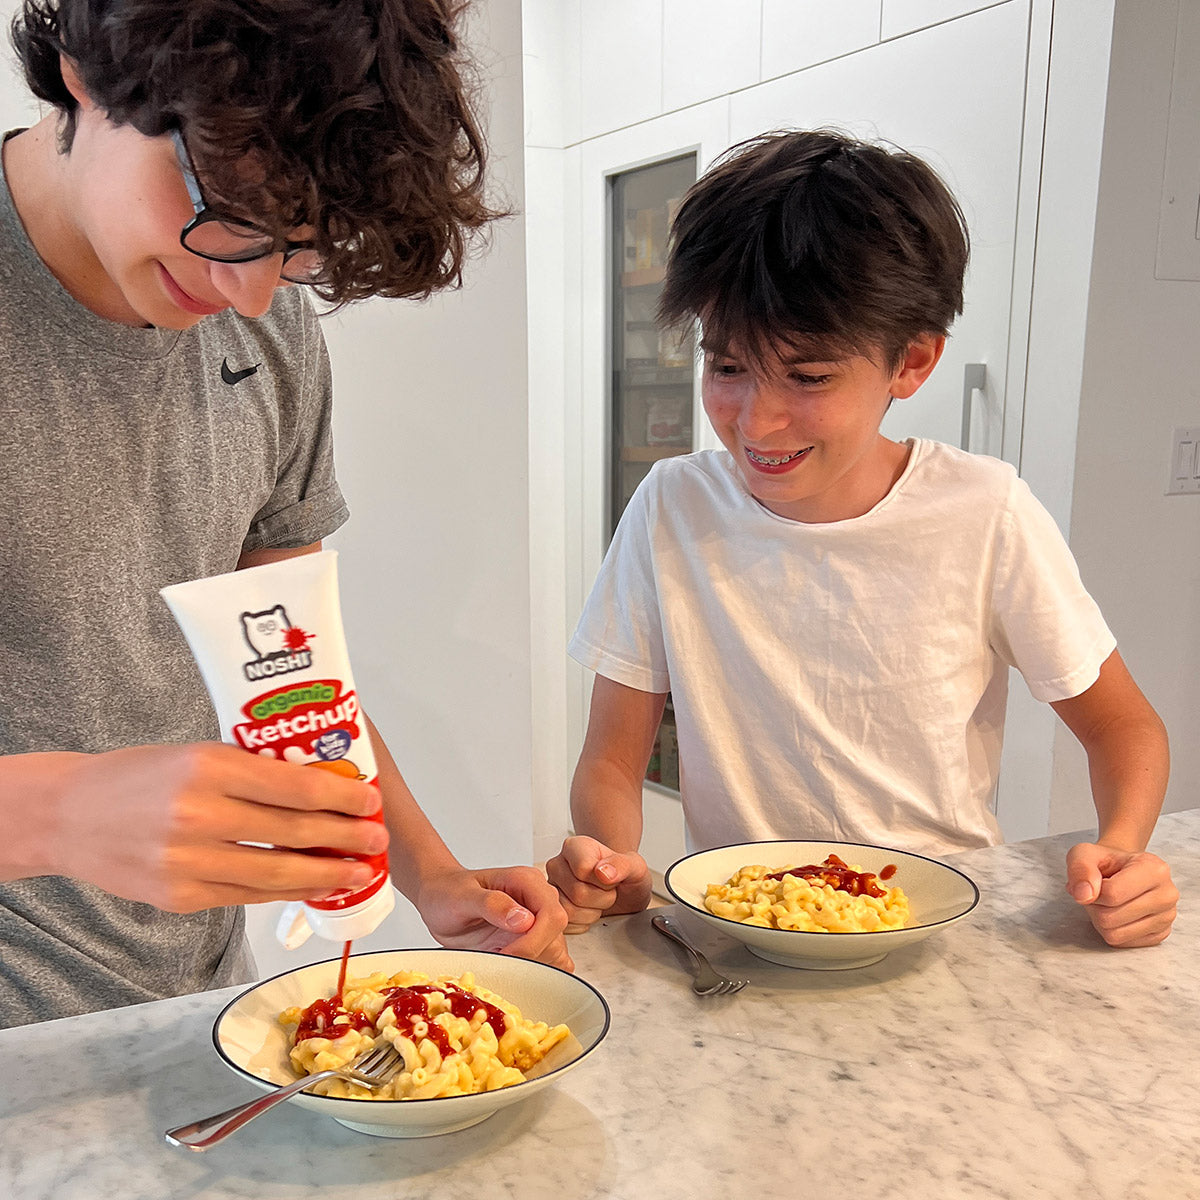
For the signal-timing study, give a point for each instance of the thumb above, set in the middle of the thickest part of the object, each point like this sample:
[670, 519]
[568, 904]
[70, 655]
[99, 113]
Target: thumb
[613, 869]
[501, 911]
[1084, 874]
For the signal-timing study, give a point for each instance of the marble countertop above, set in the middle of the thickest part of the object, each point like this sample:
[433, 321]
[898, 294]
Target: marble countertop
[1012, 1055]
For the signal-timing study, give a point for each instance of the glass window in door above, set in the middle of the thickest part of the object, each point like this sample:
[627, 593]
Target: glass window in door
[653, 371]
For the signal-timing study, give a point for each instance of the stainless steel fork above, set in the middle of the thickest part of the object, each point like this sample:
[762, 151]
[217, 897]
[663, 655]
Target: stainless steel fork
[372, 1069]
[705, 980]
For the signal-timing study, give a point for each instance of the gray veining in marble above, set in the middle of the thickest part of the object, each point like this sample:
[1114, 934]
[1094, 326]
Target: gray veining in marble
[1012, 1055]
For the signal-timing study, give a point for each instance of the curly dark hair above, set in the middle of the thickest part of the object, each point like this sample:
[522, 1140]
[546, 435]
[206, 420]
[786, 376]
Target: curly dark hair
[353, 117]
[818, 242]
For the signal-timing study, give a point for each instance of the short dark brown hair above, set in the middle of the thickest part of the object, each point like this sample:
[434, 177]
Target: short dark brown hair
[353, 117]
[817, 242]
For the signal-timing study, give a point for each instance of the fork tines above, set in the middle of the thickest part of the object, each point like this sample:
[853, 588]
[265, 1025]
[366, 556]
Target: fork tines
[377, 1065]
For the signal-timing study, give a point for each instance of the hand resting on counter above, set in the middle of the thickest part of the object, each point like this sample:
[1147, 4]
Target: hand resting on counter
[1129, 895]
[595, 881]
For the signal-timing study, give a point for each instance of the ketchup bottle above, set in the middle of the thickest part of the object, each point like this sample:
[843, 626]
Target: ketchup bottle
[271, 648]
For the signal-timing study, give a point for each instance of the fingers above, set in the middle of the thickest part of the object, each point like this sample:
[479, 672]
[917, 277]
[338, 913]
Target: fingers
[169, 825]
[521, 902]
[543, 940]
[554, 954]
[583, 902]
[199, 818]
[196, 877]
[1137, 875]
[1149, 930]
[278, 784]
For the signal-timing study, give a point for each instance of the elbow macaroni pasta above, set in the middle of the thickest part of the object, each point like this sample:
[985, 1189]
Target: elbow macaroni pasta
[464, 1054]
[804, 904]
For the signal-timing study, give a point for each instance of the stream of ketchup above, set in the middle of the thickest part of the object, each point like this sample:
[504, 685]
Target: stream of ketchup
[341, 987]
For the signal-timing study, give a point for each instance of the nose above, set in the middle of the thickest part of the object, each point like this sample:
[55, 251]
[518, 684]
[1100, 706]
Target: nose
[763, 411]
[250, 286]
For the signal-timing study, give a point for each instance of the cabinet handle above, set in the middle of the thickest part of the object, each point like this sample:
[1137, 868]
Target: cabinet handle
[974, 379]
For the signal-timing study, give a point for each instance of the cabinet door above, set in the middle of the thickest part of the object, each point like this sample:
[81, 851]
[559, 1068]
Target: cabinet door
[955, 95]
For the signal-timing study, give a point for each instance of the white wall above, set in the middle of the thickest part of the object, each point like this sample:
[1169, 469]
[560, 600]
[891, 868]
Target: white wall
[551, 104]
[17, 106]
[1138, 550]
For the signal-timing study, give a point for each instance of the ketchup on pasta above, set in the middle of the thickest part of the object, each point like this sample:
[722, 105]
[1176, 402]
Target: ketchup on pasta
[838, 875]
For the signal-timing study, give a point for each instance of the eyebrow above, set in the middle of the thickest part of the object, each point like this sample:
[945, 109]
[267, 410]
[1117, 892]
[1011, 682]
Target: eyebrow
[820, 355]
[807, 360]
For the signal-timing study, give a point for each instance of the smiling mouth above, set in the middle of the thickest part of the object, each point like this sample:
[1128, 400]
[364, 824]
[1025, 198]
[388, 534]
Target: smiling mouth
[774, 460]
[186, 300]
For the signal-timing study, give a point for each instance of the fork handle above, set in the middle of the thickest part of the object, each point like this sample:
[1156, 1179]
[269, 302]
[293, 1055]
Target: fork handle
[219, 1126]
[664, 926]
[667, 928]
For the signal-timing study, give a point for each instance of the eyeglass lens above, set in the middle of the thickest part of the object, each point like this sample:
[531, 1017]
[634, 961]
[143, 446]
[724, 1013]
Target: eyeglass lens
[229, 241]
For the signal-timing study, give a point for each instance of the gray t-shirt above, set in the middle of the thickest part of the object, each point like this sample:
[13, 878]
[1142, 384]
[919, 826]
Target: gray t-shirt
[133, 458]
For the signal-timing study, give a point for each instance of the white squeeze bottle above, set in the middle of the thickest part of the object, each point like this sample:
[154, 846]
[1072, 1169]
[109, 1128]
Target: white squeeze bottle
[270, 645]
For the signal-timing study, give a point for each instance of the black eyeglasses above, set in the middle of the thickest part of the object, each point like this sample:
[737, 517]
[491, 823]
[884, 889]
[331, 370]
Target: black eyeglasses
[218, 237]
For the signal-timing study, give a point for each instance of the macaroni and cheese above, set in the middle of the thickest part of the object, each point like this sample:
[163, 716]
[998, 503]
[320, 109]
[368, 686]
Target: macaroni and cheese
[829, 897]
[456, 1037]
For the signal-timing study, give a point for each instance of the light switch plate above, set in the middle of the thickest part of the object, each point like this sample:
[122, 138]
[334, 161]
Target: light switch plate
[1183, 472]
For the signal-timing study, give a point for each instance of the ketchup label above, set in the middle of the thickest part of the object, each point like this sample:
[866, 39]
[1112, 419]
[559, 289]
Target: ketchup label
[317, 716]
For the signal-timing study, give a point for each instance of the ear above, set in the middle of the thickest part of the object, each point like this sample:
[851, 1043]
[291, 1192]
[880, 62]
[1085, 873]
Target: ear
[73, 83]
[918, 362]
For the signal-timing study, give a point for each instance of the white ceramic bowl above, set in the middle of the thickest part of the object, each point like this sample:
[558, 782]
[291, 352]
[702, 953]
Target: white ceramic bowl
[250, 1039]
[938, 896]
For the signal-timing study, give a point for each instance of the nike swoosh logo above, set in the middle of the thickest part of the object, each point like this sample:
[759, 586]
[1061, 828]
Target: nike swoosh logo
[232, 377]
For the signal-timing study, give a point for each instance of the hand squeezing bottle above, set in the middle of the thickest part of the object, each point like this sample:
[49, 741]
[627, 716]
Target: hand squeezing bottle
[271, 648]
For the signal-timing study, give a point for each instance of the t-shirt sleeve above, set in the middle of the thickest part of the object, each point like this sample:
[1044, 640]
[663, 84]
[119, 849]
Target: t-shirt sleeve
[307, 504]
[1044, 622]
[620, 633]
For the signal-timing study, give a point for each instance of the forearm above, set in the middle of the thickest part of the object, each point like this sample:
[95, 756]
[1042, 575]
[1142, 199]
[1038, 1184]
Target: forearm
[31, 787]
[1129, 764]
[606, 804]
[416, 851]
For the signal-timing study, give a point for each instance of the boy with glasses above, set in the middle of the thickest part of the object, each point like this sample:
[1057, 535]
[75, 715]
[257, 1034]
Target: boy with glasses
[834, 613]
[166, 415]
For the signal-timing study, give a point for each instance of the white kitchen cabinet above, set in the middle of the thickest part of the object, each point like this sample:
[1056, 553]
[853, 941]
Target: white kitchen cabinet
[621, 63]
[712, 48]
[907, 16]
[799, 33]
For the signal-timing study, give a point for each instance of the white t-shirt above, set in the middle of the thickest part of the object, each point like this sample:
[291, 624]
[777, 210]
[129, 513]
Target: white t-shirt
[844, 680]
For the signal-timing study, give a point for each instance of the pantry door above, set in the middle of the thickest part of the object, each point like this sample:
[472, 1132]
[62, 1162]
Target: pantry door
[956, 94]
[703, 130]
